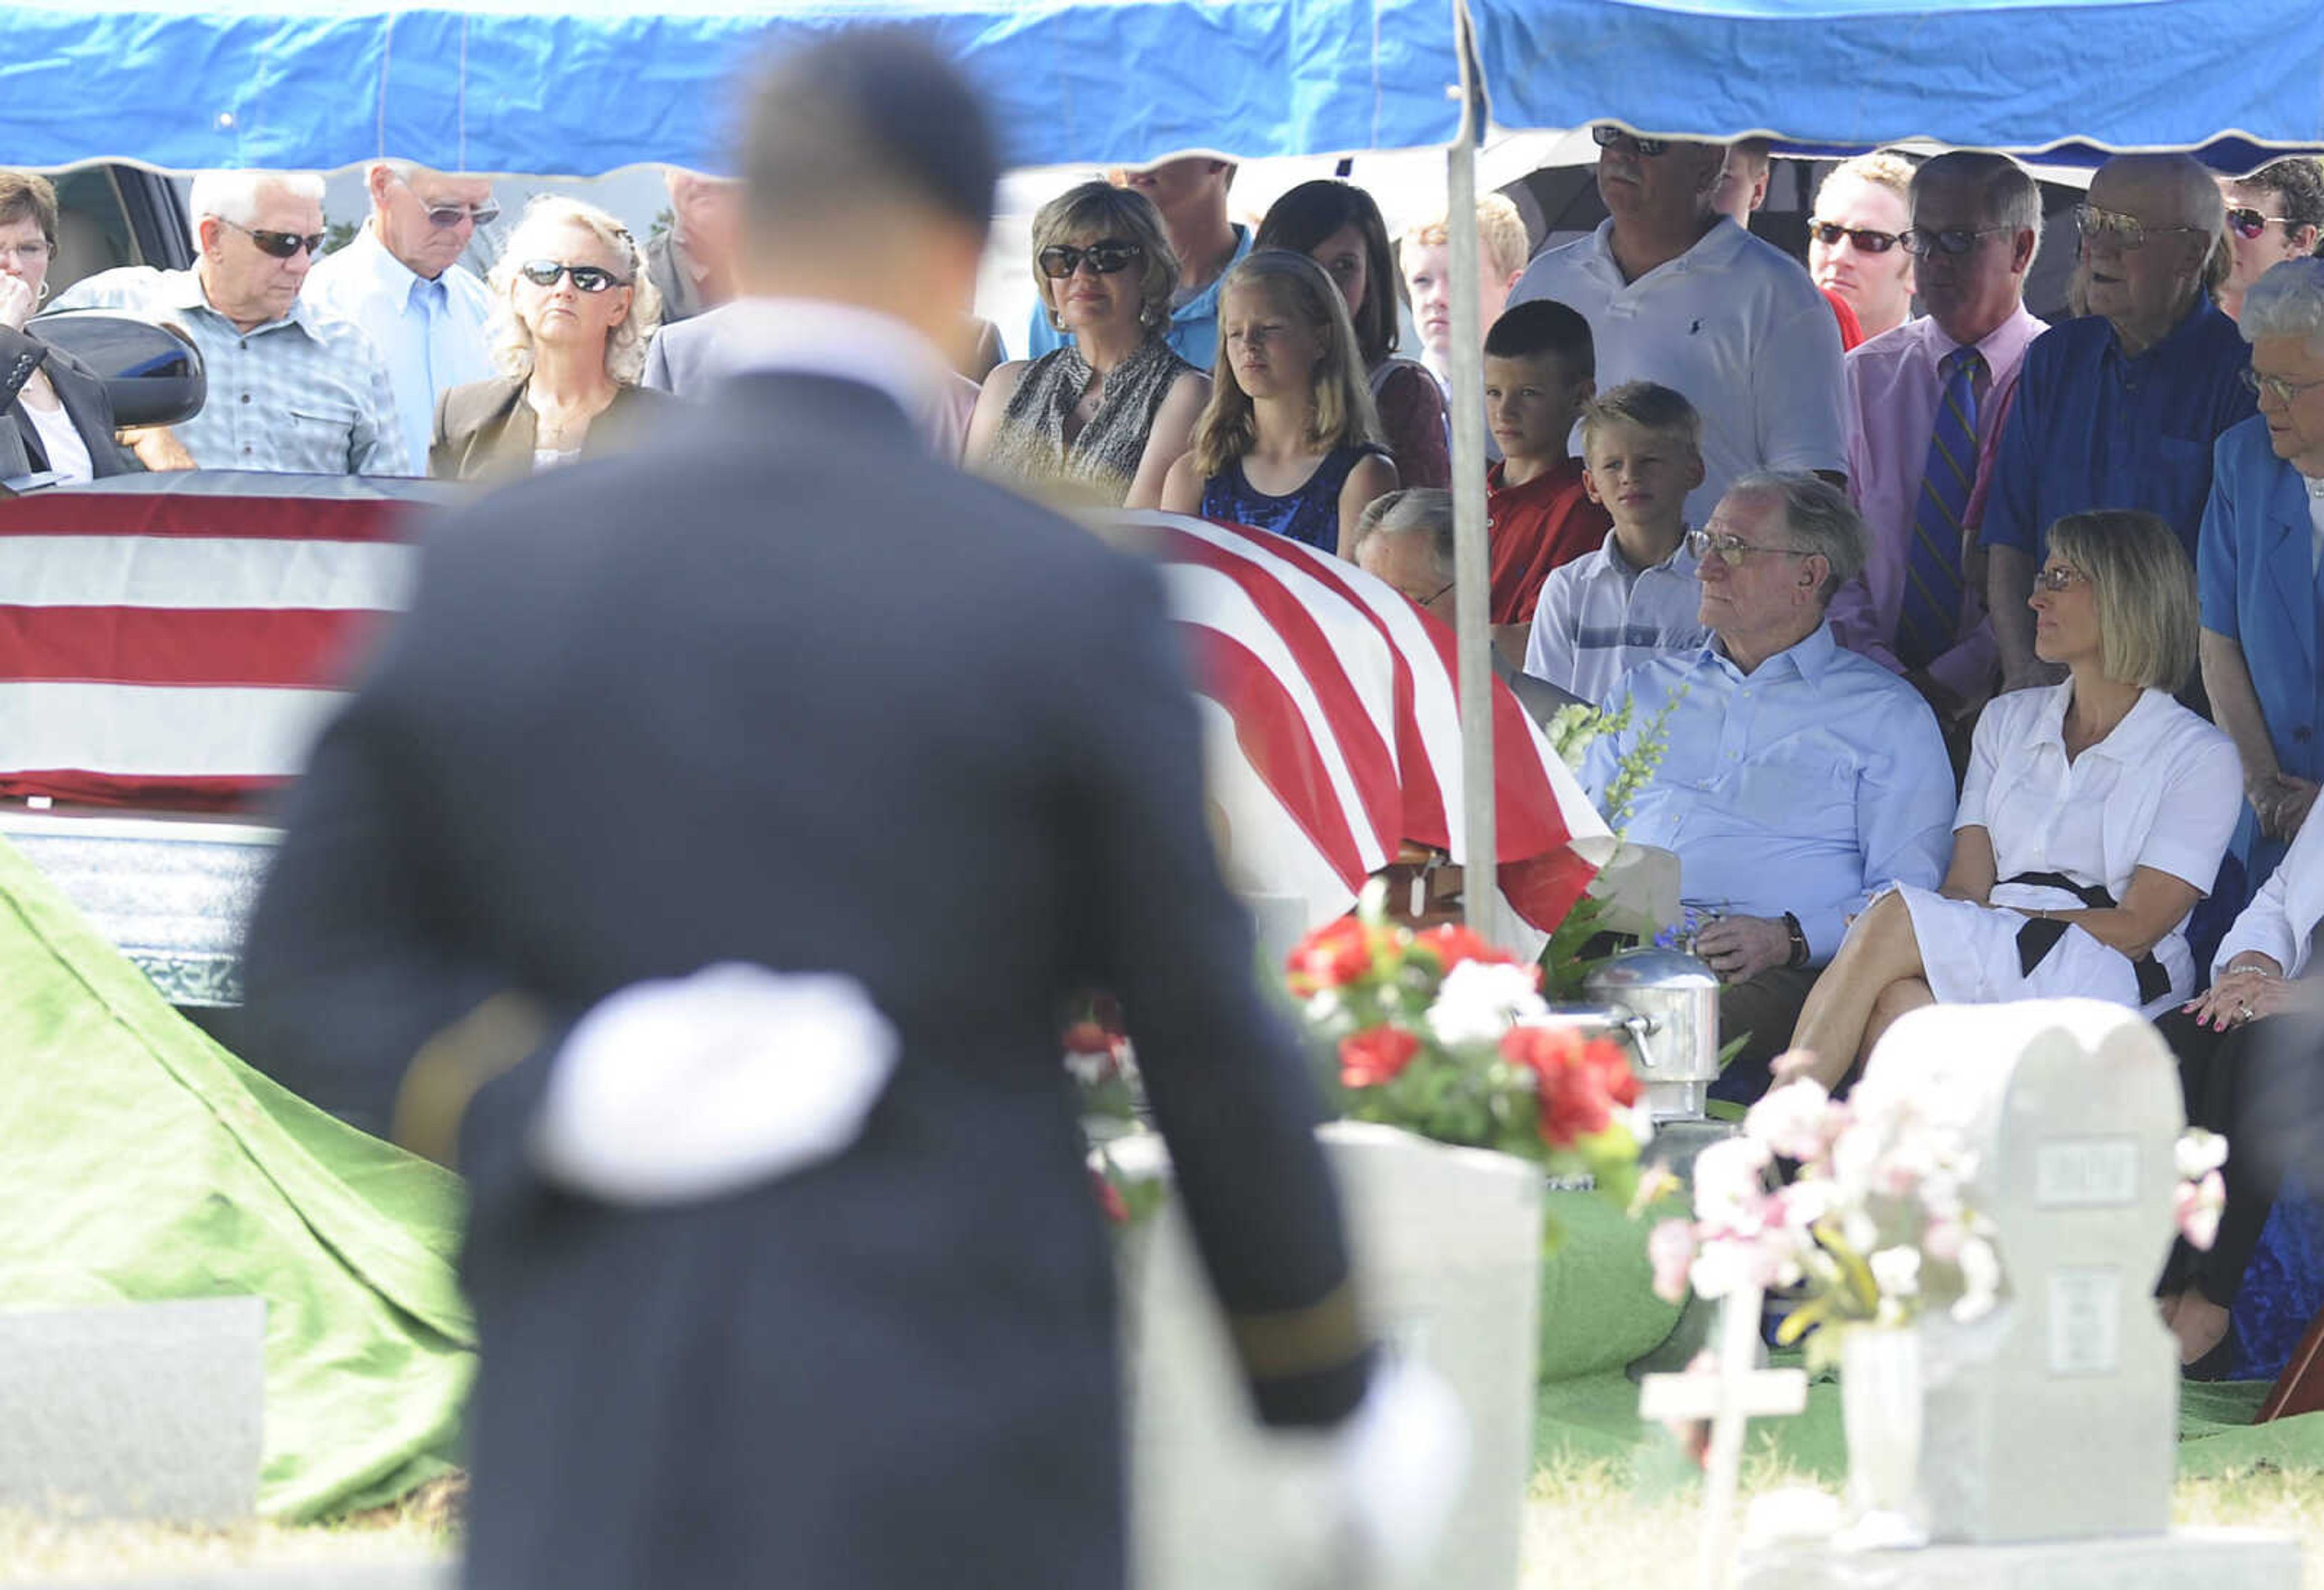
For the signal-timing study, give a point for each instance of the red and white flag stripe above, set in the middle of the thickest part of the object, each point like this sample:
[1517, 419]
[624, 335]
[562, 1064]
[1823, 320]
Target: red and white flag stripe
[1334, 717]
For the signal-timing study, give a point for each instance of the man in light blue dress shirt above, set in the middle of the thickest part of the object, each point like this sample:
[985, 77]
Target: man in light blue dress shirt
[289, 388]
[400, 280]
[1797, 777]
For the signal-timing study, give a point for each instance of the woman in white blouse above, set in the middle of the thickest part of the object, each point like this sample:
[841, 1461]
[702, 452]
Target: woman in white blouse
[2093, 818]
[2247, 1059]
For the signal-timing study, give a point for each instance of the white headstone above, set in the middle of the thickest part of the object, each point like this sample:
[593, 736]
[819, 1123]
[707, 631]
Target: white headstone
[1447, 1244]
[2056, 1415]
[133, 1409]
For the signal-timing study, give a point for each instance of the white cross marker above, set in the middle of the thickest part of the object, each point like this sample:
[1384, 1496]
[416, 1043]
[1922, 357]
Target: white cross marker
[1728, 1395]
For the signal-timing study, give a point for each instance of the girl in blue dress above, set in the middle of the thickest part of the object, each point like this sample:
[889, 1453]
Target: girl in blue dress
[1289, 441]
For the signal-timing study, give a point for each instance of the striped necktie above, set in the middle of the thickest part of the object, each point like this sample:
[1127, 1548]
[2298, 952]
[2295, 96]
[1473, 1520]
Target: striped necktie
[1930, 612]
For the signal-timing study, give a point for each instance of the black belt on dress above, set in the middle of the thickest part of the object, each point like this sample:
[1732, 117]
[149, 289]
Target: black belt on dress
[2040, 935]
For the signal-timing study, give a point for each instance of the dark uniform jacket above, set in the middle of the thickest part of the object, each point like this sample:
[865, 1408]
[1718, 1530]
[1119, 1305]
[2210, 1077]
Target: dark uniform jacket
[651, 714]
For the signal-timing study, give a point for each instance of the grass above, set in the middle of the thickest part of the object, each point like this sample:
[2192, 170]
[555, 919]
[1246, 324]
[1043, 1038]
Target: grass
[424, 1524]
[1592, 1527]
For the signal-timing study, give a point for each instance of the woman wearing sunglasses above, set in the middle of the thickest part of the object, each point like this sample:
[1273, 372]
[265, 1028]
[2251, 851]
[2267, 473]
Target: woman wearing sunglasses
[2274, 214]
[1105, 416]
[578, 310]
[2093, 819]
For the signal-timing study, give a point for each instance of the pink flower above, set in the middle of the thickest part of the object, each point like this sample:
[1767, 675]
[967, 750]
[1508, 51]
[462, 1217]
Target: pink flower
[1795, 1120]
[2197, 1206]
[1670, 1249]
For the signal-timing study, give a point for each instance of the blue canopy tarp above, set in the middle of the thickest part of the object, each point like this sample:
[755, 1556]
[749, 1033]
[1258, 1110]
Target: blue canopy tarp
[2076, 77]
[580, 88]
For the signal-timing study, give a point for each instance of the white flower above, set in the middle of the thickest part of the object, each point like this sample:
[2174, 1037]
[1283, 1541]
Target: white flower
[2197, 1206]
[1794, 1120]
[2198, 1152]
[1721, 1266]
[1372, 903]
[1731, 1187]
[1980, 1269]
[1897, 1270]
[1480, 1001]
[1861, 1231]
[1322, 1005]
[1089, 1068]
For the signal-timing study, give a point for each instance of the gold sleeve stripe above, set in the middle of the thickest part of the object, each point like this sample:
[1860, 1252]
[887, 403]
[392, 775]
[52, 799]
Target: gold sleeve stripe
[449, 1068]
[1324, 1334]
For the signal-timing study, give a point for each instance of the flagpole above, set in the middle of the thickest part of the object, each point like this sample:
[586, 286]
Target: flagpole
[1472, 557]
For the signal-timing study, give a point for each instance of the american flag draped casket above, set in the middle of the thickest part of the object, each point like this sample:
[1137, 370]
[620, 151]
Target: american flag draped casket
[173, 642]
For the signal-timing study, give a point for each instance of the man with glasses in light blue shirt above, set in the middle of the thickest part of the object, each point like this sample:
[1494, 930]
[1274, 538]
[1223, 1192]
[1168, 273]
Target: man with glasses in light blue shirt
[400, 280]
[291, 389]
[1796, 778]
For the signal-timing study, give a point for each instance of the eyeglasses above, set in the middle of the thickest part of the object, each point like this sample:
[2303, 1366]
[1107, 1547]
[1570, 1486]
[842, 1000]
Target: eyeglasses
[1830, 233]
[28, 254]
[1105, 256]
[445, 217]
[1731, 550]
[280, 244]
[2248, 223]
[2274, 386]
[2124, 232]
[2057, 576]
[586, 277]
[1920, 242]
[1610, 137]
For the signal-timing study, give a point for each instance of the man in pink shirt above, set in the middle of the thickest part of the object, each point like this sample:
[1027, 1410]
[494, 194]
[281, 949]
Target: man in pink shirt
[1925, 402]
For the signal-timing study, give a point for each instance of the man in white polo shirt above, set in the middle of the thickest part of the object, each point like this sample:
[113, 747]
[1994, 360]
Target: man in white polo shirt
[1678, 294]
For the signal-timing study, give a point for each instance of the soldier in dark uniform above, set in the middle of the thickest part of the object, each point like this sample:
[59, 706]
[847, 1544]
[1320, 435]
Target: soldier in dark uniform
[650, 715]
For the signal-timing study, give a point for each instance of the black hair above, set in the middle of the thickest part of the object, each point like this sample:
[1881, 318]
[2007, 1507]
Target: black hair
[1304, 217]
[1545, 326]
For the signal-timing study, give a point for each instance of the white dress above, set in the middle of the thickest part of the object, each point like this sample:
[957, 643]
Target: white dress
[2161, 791]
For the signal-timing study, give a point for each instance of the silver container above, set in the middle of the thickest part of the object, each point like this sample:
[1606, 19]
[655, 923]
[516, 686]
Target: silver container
[1667, 1002]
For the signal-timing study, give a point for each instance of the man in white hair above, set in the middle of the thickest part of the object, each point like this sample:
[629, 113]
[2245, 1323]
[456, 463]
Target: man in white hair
[291, 388]
[400, 280]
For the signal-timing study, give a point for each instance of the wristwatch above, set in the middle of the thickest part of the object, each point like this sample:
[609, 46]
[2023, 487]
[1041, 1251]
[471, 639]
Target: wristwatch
[1799, 956]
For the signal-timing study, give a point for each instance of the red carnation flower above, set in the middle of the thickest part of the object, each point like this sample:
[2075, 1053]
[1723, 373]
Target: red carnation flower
[1340, 952]
[1579, 1081]
[1369, 1058]
[1087, 1037]
[1452, 944]
[1109, 1197]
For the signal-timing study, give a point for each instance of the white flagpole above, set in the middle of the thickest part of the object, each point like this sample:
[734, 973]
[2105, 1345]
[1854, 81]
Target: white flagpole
[1472, 553]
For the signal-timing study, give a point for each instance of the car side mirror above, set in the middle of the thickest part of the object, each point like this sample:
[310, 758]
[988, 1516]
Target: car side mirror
[154, 374]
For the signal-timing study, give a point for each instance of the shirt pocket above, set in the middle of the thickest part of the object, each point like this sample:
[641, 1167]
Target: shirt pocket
[1800, 798]
[313, 418]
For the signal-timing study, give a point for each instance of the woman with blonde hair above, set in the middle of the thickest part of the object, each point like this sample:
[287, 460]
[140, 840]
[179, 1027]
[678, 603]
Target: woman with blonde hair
[2093, 819]
[1290, 442]
[1113, 408]
[577, 312]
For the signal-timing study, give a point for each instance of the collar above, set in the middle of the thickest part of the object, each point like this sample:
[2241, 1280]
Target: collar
[1715, 248]
[2128, 740]
[2000, 346]
[816, 337]
[1680, 562]
[1563, 475]
[1811, 657]
[368, 256]
[1205, 305]
[183, 289]
[2192, 324]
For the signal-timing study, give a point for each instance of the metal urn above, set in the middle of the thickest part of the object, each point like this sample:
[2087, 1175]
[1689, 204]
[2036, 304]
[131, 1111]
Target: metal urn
[1667, 1002]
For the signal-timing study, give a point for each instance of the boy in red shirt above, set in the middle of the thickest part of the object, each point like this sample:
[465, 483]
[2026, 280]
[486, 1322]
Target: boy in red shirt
[1540, 369]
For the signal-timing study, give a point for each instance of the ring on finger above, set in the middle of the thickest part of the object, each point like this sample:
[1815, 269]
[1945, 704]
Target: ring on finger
[2243, 1010]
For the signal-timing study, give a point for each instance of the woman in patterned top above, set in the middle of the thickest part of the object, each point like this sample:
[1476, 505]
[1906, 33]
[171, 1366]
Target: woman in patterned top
[1107, 414]
[1290, 442]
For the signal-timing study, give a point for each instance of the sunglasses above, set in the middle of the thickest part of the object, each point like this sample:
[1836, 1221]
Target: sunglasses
[2124, 232]
[1608, 137]
[280, 244]
[586, 277]
[1830, 233]
[1105, 256]
[1920, 242]
[2058, 578]
[1731, 550]
[445, 217]
[2248, 223]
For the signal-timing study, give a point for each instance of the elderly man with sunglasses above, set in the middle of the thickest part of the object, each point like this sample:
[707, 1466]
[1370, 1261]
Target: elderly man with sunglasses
[1796, 778]
[1676, 293]
[402, 281]
[2119, 408]
[291, 388]
[1926, 403]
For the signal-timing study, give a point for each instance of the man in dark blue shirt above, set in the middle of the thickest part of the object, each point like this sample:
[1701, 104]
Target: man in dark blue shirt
[2118, 410]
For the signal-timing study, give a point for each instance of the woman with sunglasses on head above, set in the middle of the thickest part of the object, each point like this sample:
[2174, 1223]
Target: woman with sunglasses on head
[55, 416]
[578, 312]
[1290, 442]
[1337, 225]
[2274, 214]
[2092, 821]
[1107, 414]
